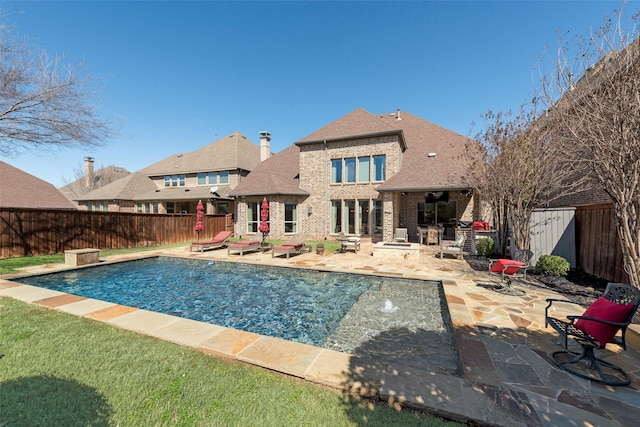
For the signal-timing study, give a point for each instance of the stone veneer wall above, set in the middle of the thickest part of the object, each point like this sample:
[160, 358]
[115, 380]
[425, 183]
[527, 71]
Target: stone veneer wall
[315, 170]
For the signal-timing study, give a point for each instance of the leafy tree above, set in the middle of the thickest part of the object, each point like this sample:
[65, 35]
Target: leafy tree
[44, 103]
[519, 172]
[593, 99]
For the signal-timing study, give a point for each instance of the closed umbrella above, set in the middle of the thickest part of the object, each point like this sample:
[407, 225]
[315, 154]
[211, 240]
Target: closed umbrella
[199, 217]
[264, 218]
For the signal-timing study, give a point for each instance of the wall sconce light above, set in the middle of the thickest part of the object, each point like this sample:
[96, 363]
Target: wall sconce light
[310, 210]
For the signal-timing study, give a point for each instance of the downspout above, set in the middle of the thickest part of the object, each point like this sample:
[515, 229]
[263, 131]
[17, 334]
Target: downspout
[326, 191]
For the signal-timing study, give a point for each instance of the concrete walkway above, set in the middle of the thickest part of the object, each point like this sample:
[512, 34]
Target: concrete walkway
[506, 378]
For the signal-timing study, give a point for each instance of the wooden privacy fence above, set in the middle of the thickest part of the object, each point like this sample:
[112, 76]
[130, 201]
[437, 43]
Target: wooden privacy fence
[41, 231]
[599, 250]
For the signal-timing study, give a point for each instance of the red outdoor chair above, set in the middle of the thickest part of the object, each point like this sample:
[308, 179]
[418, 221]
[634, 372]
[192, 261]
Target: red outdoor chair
[593, 330]
[506, 269]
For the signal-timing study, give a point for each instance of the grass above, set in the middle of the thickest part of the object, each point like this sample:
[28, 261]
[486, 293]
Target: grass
[11, 265]
[60, 369]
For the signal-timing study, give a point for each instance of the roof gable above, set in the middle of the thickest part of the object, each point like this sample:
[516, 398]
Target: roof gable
[22, 190]
[357, 124]
[231, 152]
[279, 174]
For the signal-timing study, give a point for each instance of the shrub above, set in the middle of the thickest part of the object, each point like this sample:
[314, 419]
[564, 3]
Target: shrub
[485, 246]
[553, 265]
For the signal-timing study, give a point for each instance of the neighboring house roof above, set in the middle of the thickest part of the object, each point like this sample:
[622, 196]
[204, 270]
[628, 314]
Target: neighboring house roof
[101, 177]
[126, 188]
[448, 169]
[231, 152]
[19, 189]
[279, 174]
[184, 193]
[357, 124]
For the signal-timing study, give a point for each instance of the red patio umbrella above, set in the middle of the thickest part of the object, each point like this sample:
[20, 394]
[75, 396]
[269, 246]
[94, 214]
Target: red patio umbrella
[264, 218]
[199, 217]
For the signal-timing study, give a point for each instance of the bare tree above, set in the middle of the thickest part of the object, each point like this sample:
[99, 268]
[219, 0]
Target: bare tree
[519, 172]
[594, 105]
[43, 102]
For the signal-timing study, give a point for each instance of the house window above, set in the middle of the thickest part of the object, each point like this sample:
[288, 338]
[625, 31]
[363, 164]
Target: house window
[336, 171]
[290, 217]
[139, 207]
[175, 181]
[213, 177]
[364, 169]
[363, 216]
[350, 169]
[377, 217]
[202, 179]
[154, 207]
[379, 167]
[336, 216]
[223, 177]
[350, 217]
[171, 207]
[253, 216]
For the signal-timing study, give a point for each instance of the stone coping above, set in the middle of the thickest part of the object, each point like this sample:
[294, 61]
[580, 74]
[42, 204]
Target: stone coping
[507, 378]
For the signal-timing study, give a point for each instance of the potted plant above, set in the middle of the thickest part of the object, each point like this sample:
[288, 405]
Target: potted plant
[320, 248]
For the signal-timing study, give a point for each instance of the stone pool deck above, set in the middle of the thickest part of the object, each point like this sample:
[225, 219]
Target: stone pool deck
[506, 378]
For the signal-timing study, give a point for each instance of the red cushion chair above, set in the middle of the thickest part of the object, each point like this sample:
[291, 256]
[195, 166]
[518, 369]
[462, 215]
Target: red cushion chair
[594, 329]
[603, 309]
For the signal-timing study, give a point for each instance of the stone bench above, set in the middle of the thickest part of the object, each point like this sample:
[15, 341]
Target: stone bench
[78, 257]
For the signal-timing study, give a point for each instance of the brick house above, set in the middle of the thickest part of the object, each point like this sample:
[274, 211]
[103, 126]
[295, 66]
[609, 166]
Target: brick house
[362, 175]
[175, 184]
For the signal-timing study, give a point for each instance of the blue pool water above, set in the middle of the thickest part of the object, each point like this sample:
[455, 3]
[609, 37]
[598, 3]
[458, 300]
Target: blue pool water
[297, 305]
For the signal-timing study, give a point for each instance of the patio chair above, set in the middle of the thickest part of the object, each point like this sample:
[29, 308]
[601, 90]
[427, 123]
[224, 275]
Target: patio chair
[525, 256]
[218, 241]
[401, 235]
[593, 330]
[242, 246]
[295, 246]
[507, 270]
[454, 247]
[350, 244]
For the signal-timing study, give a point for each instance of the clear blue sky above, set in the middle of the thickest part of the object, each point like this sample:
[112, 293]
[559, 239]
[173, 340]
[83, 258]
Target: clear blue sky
[178, 75]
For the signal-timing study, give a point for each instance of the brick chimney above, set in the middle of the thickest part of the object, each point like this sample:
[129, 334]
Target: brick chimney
[265, 147]
[88, 172]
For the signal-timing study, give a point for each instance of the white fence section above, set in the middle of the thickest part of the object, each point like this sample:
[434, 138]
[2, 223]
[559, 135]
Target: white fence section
[553, 232]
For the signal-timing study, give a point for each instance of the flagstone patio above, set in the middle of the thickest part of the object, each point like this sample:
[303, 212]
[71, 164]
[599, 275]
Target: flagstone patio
[506, 378]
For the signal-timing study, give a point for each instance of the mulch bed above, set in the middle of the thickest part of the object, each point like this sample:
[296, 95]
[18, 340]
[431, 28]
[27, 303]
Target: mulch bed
[576, 286]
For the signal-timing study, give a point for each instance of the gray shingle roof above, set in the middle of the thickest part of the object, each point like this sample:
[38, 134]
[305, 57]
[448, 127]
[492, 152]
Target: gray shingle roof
[448, 169]
[126, 188]
[19, 189]
[357, 124]
[101, 177]
[231, 152]
[183, 193]
[279, 174]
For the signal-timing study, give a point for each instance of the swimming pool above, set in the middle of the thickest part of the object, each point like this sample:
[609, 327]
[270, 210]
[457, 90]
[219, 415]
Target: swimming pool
[333, 310]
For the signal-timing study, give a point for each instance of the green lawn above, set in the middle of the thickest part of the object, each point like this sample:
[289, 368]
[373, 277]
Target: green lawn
[64, 370]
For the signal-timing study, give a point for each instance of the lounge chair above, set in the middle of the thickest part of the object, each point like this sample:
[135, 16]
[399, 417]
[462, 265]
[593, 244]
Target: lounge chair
[593, 330]
[295, 246]
[401, 235]
[218, 241]
[242, 246]
[350, 244]
[454, 247]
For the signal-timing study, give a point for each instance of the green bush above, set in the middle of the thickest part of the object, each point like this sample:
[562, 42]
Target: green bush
[485, 246]
[552, 265]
